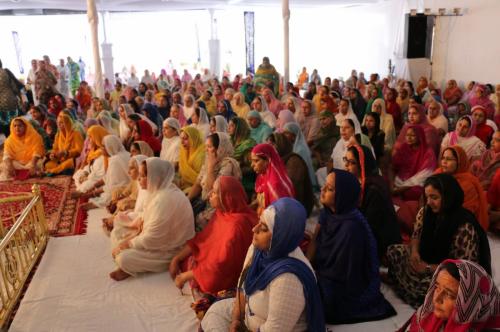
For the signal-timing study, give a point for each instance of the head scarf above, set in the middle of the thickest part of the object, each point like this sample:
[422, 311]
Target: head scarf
[407, 162]
[96, 134]
[221, 247]
[172, 123]
[69, 138]
[486, 167]
[472, 130]
[225, 148]
[274, 183]
[477, 306]
[367, 165]
[144, 148]
[111, 125]
[287, 217]
[228, 112]
[124, 129]
[191, 160]
[262, 132]
[146, 134]
[301, 148]
[439, 228]
[220, 123]
[23, 149]
[241, 139]
[284, 117]
[474, 196]
[160, 174]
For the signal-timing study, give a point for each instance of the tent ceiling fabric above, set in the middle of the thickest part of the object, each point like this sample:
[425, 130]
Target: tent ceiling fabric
[158, 5]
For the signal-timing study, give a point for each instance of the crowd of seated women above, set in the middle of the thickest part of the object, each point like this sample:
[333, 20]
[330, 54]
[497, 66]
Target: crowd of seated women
[215, 182]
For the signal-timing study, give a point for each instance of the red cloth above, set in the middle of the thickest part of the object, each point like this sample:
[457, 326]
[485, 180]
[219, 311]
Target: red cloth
[220, 249]
[274, 182]
[146, 133]
[494, 191]
[407, 161]
[484, 133]
[474, 196]
[431, 134]
[393, 108]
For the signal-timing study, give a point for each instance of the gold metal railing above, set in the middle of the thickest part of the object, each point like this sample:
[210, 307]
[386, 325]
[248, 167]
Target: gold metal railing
[20, 247]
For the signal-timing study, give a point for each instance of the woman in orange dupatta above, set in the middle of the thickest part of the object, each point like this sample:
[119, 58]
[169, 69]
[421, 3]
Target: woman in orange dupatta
[220, 249]
[68, 145]
[22, 151]
[191, 157]
[454, 161]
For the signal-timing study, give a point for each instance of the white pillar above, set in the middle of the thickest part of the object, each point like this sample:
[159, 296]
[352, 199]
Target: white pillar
[93, 22]
[286, 44]
[214, 47]
[107, 52]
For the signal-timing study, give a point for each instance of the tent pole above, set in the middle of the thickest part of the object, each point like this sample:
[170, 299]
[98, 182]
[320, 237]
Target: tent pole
[286, 45]
[93, 22]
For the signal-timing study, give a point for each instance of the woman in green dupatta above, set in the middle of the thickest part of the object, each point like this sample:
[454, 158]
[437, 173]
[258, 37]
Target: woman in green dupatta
[243, 144]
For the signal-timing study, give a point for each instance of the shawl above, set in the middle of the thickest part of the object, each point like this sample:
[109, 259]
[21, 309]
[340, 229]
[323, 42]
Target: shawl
[146, 134]
[242, 108]
[286, 220]
[301, 148]
[203, 124]
[339, 117]
[111, 125]
[220, 123]
[310, 124]
[241, 139]
[275, 105]
[346, 261]
[440, 121]
[408, 162]
[284, 117]
[485, 167]
[144, 148]
[262, 132]
[471, 144]
[482, 100]
[191, 160]
[358, 104]
[376, 201]
[165, 229]
[431, 134]
[170, 149]
[265, 113]
[483, 131]
[474, 196]
[96, 134]
[23, 149]
[69, 139]
[449, 93]
[274, 183]
[220, 249]
[124, 129]
[477, 306]
[386, 122]
[151, 112]
[117, 170]
[439, 228]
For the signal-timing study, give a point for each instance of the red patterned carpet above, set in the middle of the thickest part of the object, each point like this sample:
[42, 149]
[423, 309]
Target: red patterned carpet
[64, 214]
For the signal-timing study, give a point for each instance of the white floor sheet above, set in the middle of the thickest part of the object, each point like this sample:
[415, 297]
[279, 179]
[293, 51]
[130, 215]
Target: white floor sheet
[72, 292]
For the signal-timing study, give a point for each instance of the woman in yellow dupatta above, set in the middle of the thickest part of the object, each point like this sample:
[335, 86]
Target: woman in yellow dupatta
[23, 150]
[191, 158]
[68, 145]
[95, 165]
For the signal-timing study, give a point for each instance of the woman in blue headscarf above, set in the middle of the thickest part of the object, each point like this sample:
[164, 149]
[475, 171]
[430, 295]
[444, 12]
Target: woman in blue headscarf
[344, 256]
[151, 112]
[225, 109]
[279, 288]
[293, 132]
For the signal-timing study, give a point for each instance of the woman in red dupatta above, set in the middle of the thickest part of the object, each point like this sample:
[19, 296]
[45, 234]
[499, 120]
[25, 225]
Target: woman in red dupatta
[485, 167]
[462, 297]
[416, 116]
[483, 131]
[454, 161]
[218, 252]
[272, 178]
[452, 93]
[412, 163]
[481, 98]
[144, 132]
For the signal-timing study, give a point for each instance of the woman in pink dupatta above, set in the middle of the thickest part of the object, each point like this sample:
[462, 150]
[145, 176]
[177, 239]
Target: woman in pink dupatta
[485, 167]
[413, 162]
[480, 97]
[416, 116]
[272, 178]
[464, 135]
[273, 104]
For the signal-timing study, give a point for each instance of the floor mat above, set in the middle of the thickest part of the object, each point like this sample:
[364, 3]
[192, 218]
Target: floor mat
[64, 214]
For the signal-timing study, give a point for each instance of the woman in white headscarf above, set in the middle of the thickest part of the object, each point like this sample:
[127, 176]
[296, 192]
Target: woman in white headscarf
[218, 124]
[386, 123]
[116, 171]
[106, 120]
[171, 143]
[167, 224]
[199, 120]
[124, 110]
[259, 104]
[346, 112]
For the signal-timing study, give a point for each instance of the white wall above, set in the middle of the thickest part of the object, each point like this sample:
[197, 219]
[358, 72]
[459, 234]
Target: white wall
[468, 47]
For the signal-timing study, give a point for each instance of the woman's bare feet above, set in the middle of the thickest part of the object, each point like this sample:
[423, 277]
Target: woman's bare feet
[119, 275]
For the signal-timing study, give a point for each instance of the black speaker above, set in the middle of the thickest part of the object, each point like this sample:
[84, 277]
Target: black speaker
[418, 36]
